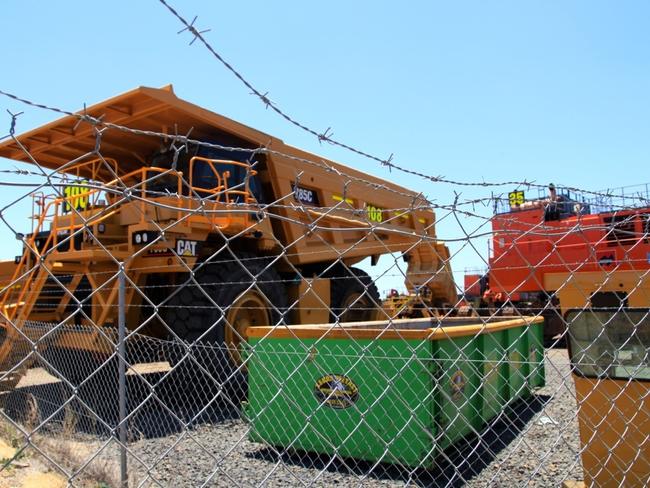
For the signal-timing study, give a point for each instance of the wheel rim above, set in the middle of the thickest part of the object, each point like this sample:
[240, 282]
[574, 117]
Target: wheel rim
[250, 310]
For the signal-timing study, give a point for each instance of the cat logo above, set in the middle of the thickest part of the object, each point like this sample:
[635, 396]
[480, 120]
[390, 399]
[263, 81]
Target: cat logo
[186, 248]
[336, 391]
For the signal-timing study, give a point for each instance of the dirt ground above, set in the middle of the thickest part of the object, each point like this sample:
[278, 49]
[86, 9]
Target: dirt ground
[32, 469]
[27, 471]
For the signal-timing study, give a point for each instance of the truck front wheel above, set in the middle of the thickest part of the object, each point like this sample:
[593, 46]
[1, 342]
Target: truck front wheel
[212, 312]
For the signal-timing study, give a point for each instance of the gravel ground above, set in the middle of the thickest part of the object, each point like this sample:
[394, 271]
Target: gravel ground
[533, 444]
[546, 451]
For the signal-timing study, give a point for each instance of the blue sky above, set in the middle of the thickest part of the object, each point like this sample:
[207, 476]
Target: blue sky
[540, 91]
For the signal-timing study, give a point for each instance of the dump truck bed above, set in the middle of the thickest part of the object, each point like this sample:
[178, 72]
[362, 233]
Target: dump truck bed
[324, 211]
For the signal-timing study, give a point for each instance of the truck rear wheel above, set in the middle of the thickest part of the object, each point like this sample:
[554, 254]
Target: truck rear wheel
[354, 296]
[237, 294]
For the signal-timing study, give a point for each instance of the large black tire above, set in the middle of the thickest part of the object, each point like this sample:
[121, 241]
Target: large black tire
[207, 317]
[353, 295]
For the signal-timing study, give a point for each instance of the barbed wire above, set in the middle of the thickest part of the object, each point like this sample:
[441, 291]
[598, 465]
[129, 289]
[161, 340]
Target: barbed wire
[240, 404]
[98, 122]
[327, 135]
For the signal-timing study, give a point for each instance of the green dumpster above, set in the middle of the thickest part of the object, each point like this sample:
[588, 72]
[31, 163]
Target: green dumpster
[494, 361]
[398, 394]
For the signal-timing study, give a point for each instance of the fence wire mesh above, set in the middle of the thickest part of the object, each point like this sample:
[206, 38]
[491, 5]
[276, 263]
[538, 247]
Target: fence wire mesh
[204, 312]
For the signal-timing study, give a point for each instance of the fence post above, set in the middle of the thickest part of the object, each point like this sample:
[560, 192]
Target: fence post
[121, 323]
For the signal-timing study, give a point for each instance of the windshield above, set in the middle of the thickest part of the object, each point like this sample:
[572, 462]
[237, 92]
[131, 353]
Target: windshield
[203, 177]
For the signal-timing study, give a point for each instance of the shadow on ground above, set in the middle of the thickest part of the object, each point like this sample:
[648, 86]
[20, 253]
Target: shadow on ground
[156, 406]
[454, 466]
[93, 410]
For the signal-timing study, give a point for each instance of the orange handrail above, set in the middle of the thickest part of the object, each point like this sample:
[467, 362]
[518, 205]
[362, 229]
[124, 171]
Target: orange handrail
[94, 169]
[51, 206]
[54, 207]
[222, 179]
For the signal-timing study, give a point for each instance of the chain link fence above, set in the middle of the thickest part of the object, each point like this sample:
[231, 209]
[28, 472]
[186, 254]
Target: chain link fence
[205, 312]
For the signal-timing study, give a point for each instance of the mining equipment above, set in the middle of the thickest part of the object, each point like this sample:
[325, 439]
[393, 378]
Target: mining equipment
[212, 239]
[562, 232]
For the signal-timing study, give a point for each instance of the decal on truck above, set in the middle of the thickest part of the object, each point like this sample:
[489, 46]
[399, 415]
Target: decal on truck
[76, 196]
[339, 198]
[187, 248]
[516, 198]
[305, 195]
[375, 214]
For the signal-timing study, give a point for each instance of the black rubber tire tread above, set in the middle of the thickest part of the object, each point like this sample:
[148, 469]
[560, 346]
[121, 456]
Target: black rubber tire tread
[190, 312]
[343, 283]
[223, 282]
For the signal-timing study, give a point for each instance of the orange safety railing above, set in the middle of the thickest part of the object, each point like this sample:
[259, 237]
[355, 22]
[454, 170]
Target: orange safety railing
[222, 193]
[65, 213]
[91, 169]
[54, 209]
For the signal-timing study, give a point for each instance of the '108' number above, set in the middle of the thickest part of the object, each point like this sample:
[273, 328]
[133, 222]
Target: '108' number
[375, 214]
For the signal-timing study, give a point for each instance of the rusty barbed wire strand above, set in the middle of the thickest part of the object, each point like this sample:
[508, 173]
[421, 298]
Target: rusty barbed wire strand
[84, 117]
[166, 373]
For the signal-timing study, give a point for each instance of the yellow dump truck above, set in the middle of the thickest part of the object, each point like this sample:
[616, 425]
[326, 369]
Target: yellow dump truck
[181, 215]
